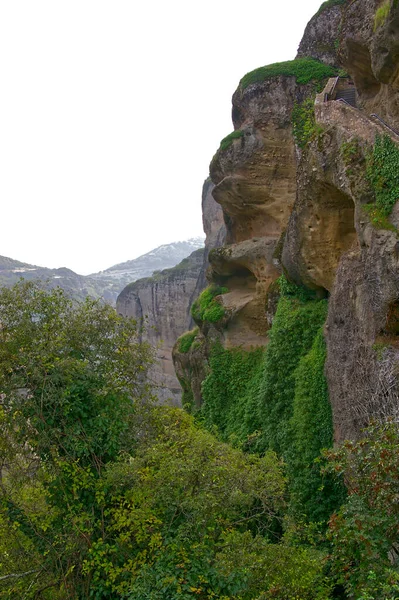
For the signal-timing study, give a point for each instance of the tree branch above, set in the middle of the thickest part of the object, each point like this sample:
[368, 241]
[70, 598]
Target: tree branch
[16, 575]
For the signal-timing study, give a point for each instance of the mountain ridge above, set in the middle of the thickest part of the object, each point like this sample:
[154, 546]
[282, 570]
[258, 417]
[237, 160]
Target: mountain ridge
[106, 284]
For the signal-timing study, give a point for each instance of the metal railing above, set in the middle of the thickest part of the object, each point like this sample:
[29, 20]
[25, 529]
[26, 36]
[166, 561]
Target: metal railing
[374, 116]
[334, 86]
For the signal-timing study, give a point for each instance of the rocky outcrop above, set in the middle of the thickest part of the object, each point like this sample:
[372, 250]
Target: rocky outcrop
[295, 187]
[321, 37]
[362, 37]
[162, 302]
[333, 246]
[255, 183]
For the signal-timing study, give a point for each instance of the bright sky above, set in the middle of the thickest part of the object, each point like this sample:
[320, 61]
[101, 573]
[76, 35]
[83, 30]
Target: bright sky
[110, 113]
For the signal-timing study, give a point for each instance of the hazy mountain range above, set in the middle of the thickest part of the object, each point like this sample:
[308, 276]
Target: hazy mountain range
[106, 284]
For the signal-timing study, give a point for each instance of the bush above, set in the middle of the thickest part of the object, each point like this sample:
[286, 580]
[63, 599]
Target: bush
[186, 340]
[207, 307]
[364, 532]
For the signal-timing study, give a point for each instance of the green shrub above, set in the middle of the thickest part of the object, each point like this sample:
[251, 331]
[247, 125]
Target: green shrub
[377, 218]
[303, 122]
[186, 340]
[303, 69]
[364, 532]
[228, 140]
[207, 307]
[383, 173]
[381, 14]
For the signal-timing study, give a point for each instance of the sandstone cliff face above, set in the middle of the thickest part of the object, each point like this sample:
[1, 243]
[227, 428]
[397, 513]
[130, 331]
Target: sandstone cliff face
[369, 51]
[308, 208]
[163, 302]
[332, 244]
[255, 183]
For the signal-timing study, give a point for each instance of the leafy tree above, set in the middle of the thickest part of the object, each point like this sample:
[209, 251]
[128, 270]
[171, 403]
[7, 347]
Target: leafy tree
[365, 531]
[194, 518]
[71, 379]
[105, 496]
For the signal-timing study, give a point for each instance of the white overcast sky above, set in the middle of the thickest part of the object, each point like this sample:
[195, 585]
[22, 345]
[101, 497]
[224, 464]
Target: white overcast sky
[110, 113]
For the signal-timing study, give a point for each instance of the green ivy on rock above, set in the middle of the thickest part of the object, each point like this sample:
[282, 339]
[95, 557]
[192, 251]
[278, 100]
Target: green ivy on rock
[229, 389]
[276, 398]
[383, 173]
[311, 424]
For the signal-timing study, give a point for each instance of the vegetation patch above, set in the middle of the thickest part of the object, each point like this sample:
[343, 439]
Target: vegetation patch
[228, 140]
[383, 173]
[303, 69]
[276, 398]
[364, 530]
[207, 307]
[381, 14]
[304, 123]
[377, 218]
[186, 340]
[350, 151]
[229, 391]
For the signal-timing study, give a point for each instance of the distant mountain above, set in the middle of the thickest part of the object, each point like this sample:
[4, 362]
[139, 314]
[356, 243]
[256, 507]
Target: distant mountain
[106, 284]
[163, 257]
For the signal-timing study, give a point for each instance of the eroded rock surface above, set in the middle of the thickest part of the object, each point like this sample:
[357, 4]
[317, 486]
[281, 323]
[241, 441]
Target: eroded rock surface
[302, 205]
[163, 304]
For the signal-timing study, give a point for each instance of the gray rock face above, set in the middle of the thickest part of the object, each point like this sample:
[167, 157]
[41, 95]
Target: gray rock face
[163, 304]
[163, 301]
[320, 39]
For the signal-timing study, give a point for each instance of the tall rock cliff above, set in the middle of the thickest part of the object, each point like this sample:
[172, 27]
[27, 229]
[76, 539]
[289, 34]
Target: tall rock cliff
[298, 341]
[162, 302]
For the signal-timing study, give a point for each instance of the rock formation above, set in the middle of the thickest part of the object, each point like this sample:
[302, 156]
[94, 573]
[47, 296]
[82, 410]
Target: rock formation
[304, 192]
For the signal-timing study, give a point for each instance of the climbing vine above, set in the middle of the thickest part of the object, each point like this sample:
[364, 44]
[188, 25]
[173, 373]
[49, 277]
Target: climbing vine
[303, 122]
[229, 391]
[276, 398]
[383, 173]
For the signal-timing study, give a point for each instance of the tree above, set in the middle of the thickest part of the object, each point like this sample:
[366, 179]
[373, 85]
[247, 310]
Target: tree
[72, 377]
[104, 495]
[365, 531]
